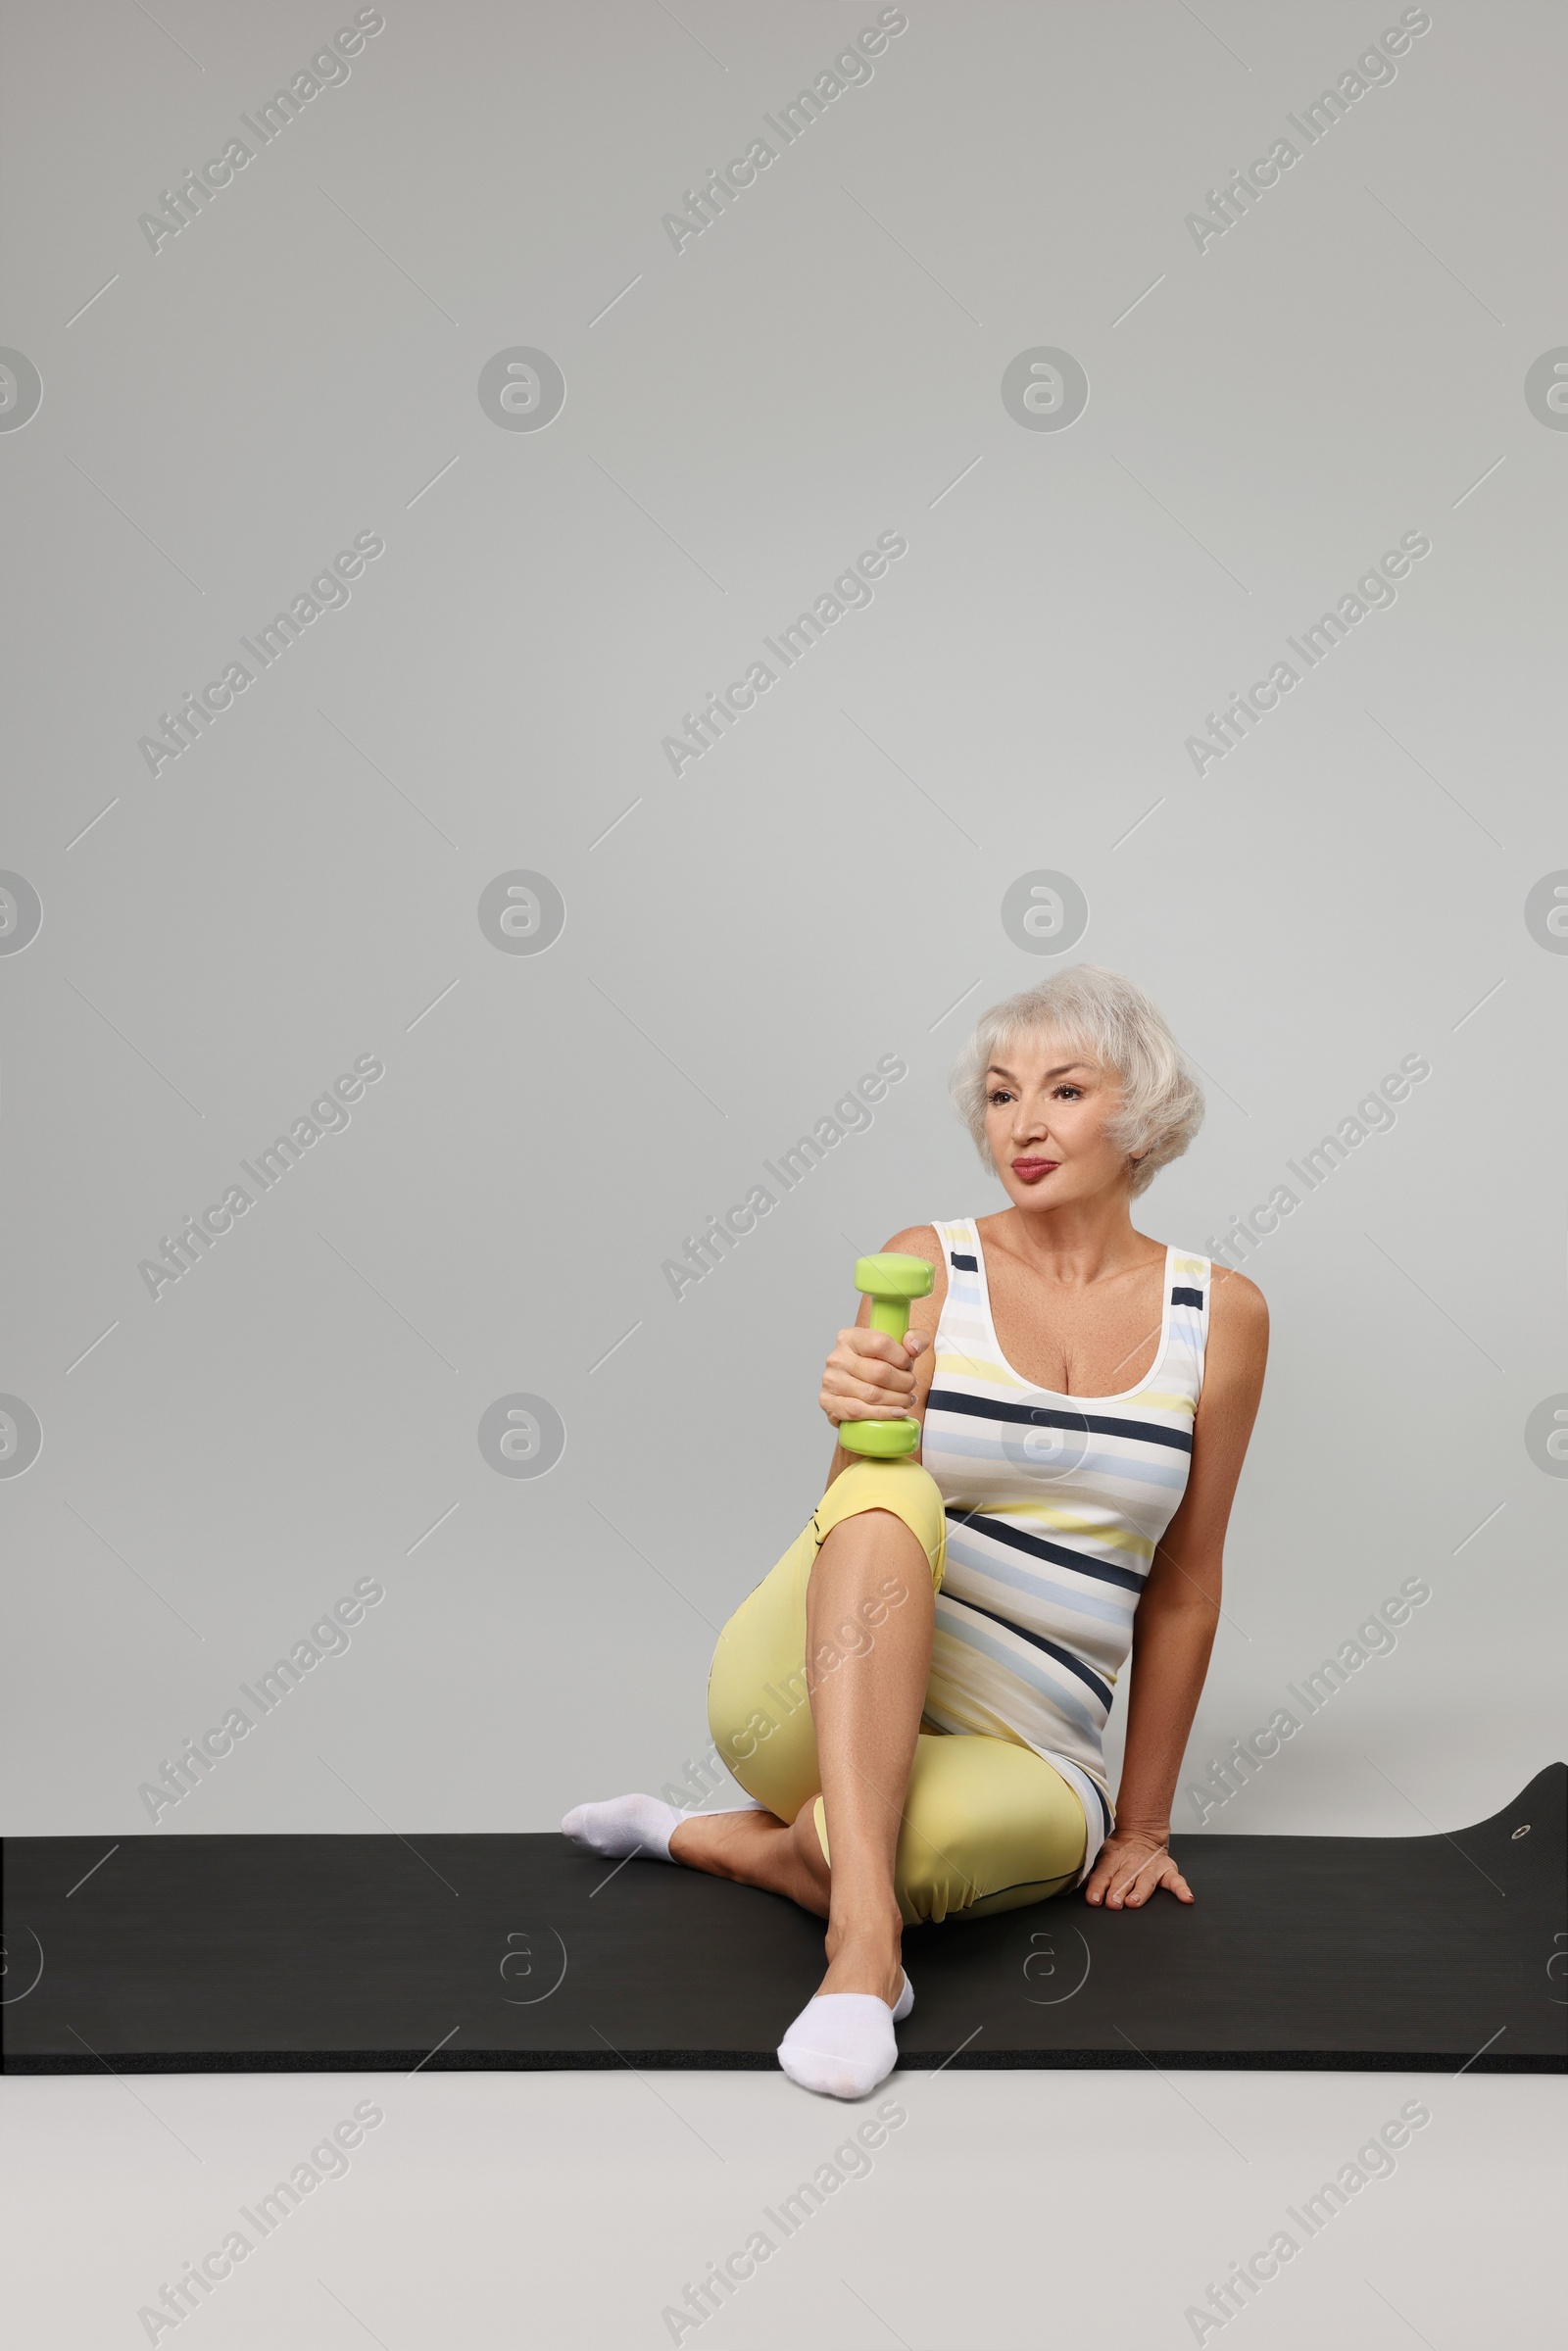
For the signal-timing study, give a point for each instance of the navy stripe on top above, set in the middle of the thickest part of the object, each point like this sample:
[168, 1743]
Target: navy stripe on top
[1047, 1416]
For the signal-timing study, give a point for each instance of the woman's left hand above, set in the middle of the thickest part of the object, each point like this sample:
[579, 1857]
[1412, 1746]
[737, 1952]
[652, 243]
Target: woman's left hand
[1131, 1865]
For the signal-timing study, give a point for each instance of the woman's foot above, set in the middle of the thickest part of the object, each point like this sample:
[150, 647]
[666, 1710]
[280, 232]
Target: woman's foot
[636, 1823]
[623, 1826]
[842, 2045]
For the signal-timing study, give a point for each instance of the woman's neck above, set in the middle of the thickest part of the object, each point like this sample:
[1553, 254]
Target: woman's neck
[1076, 1243]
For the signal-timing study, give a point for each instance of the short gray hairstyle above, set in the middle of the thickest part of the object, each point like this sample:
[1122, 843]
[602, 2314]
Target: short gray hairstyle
[1112, 1022]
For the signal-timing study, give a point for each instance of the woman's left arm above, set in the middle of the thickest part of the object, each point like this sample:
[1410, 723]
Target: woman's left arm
[1178, 1612]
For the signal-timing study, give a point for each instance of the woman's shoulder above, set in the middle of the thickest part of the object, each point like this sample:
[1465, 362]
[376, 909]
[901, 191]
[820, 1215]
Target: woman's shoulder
[923, 1240]
[917, 1241]
[1238, 1316]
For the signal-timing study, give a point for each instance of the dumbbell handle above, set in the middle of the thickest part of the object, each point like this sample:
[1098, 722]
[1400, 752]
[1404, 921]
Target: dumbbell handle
[890, 1314]
[889, 1280]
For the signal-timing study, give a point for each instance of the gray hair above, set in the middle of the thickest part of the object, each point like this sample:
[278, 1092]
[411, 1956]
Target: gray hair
[1113, 1022]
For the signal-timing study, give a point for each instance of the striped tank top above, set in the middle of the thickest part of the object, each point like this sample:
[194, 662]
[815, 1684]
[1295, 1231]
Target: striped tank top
[1055, 1504]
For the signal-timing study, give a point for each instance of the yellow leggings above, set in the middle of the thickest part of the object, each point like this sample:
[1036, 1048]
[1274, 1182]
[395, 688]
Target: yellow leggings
[988, 1824]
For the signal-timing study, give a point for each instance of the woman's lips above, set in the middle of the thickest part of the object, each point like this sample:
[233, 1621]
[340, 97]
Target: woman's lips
[1029, 1171]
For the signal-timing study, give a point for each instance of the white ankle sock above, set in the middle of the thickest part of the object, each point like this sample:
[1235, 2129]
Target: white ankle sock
[842, 2045]
[625, 1825]
[635, 1824]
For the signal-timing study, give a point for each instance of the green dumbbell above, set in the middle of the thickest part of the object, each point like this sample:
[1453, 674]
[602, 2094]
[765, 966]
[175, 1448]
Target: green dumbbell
[890, 1281]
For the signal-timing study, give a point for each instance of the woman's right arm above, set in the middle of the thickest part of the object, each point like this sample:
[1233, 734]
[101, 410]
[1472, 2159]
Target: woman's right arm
[869, 1376]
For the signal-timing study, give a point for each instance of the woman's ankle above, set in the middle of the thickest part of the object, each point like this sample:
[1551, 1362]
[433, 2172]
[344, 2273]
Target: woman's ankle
[871, 1933]
[870, 1964]
[705, 1840]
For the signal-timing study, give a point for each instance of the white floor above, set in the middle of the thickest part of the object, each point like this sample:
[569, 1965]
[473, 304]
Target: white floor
[568, 2208]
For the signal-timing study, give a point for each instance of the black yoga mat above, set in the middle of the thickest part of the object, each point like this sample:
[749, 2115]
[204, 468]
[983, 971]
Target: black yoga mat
[247, 1955]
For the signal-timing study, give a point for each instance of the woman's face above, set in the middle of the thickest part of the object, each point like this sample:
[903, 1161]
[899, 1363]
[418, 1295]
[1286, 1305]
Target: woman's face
[1046, 1110]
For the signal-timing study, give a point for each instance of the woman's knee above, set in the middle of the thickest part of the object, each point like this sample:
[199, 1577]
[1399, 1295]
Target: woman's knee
[870, 1493]
[936, 1868]
[980, 1821]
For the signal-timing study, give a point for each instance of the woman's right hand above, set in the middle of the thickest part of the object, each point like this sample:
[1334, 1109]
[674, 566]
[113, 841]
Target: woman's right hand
[869, 1376]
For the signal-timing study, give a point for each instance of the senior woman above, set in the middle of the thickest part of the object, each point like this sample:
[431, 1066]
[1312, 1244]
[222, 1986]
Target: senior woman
[914, 1697]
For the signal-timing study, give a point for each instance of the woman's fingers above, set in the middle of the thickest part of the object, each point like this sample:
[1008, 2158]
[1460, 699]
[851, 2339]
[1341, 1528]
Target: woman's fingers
[880, 1347]
[870, 1385]
[867, 1371]
[877, 1377]
[865, 1406]
[1148, 1878]
[856, 1375]
[1125, 1877]
[868, 1375]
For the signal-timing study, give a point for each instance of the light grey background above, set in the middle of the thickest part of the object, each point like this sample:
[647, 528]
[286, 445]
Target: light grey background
[1011, 2166]
[823, 887]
